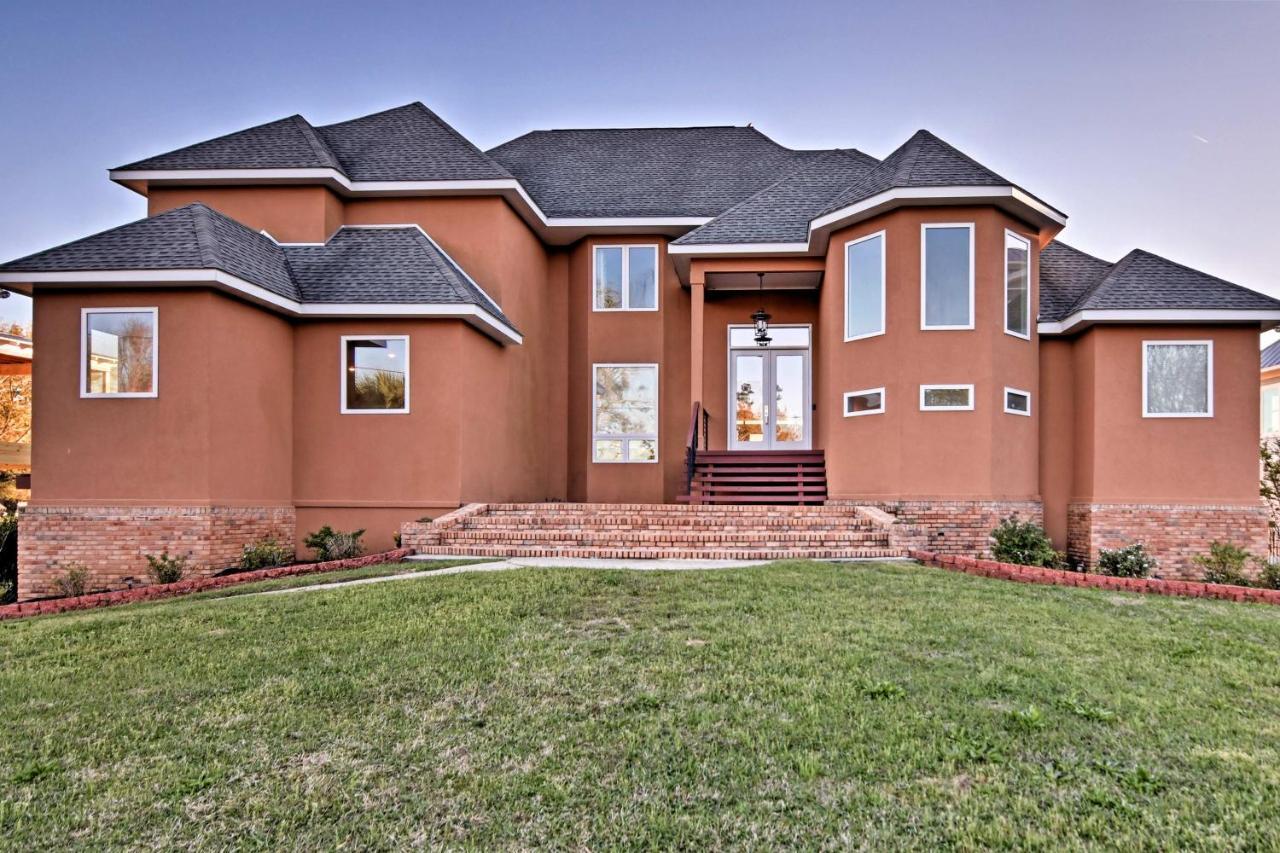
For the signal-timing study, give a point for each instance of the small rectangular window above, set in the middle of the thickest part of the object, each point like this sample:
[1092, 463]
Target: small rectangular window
[942, 398]
[375, 375]
[118, 355]
[868, 402]
[1177, 379]
[1271, 410]
[625, 412]
[864, 287]
[625, 278]
[946, 276]
[1017, 285]
[1017, 402]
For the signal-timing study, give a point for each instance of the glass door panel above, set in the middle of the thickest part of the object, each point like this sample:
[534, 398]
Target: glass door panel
[790, 407]
[748, 401]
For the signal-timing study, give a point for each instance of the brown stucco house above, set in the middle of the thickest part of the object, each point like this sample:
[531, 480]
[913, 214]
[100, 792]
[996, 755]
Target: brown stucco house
[563, 340]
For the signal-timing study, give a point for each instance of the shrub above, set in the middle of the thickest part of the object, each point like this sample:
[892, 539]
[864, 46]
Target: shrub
[265, 554]
[8, 557]
[1130, 562]
[1025, 544]
[1268, 574]
[1224, 564]
[330, 544]
[74, 581]
[166, 569]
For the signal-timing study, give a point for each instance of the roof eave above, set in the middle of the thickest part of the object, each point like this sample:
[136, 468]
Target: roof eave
[1081, 320]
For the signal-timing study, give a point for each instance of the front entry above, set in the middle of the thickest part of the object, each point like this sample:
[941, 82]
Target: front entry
[770, 421]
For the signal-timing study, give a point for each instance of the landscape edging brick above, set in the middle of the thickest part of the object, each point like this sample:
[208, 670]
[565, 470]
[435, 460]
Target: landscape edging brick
[186, 587]
[1059, 577]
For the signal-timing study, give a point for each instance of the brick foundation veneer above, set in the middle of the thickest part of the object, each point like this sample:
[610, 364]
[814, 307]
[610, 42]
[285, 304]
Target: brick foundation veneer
[112, 541]
[1173, 533]
[961, 527]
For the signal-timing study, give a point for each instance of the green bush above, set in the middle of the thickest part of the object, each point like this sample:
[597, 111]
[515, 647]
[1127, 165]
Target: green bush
[330, 544]
[74, 581]
[1224, 564]
[1130, 562]
[1268, 574]
[265, 554]
[166, 569]
[1024, 543]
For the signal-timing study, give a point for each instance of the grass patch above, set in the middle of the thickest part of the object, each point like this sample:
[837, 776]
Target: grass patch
[798, 704]
[380, 570]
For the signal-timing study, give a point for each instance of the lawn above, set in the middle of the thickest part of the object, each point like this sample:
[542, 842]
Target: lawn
[799, 704]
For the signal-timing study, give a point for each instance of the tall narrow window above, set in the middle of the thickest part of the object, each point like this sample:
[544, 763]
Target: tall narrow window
[375, 375]
[118, 352]
[625, 413]
[626, 278]
[1177, 379]
[864, 287]
[946, 276]
[1271, 410]
[1017, 285]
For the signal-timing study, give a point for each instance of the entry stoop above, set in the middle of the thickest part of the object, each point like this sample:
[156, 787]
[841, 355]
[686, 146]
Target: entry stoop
[657, 531]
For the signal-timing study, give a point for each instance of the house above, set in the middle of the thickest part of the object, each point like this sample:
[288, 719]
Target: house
[367, 323]
[1271, 391]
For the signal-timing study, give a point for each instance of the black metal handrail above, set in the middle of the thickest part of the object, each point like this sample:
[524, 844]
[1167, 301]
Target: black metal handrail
[699, 425]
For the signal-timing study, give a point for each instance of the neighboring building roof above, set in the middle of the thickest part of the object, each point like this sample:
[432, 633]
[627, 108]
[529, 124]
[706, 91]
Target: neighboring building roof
[1072, 281]
[780, 213]
[408, 143]
[357, 265]
[654, 171]
[1271, 356]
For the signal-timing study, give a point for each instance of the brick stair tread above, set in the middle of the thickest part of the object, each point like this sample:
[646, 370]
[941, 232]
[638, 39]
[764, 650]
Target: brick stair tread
[607, 522]
[648, 537]
[663, 552]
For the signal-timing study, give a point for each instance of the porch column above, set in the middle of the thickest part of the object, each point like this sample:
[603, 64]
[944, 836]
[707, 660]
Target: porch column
[696, 289]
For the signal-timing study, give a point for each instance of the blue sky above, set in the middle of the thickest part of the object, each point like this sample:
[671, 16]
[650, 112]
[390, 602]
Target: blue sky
[1151, 124]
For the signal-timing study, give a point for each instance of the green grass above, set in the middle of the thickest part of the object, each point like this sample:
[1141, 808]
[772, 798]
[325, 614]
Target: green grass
[799, 704]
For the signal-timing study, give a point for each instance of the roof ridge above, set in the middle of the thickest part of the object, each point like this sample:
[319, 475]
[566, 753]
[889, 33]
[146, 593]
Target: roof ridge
[316, 142]
[436, 255]
[202, 229]
[1102, 279]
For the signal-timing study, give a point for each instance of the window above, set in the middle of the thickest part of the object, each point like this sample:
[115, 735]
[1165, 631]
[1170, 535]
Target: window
[946, 276]
[744, 337]
[864, 287]
[118, 352]
[943, 398]
[868, 402]
[1271, 410]
[1017, 285]
[626, 278]
[625, 413]
[1177, 379]
[1017, 402]
[375, 375]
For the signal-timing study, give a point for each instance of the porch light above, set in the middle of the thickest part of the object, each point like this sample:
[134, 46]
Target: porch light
[761, 318]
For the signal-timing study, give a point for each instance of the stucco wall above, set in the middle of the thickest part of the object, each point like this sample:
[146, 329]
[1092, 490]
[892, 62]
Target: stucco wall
[289, 214]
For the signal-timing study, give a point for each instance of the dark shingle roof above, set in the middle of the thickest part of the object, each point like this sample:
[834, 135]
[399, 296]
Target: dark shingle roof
[1072, 281]
[780, 213]
[658, 171]
[1271, 356]
[379, 265]
[408, 143]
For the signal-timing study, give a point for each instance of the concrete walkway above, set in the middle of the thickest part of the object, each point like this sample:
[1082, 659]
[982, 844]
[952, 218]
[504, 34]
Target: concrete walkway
[526, 563]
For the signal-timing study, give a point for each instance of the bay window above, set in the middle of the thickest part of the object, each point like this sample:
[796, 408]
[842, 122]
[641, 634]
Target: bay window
[1017, 285]
[946, 276]
[864, 287]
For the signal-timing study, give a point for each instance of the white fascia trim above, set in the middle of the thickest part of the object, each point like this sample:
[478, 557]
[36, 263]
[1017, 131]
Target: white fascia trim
[473, 314]
[333, 176]
[737, 248]
[1158, 315]
[918, 193]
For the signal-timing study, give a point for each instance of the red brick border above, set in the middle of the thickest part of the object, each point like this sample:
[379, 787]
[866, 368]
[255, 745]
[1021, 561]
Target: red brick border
[1055, 577]
[171, 590]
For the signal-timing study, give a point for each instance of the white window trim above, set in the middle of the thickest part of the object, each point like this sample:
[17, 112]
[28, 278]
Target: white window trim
[1005, 308]
[626, 269]
[1146, 346]
[625, 437]
[924, 230]
[879, 411]
[884, 251]
[968, 408]
[85, 393]
[1004, 401]
[342, 376]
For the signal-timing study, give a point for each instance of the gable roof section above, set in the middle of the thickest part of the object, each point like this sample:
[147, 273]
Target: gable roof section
[408, 143]
[780, 213]
[655, 171]
[399, 267]
[1271, 356]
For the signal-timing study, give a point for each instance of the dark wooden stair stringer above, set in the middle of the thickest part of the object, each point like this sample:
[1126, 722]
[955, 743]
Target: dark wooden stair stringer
[757, 476]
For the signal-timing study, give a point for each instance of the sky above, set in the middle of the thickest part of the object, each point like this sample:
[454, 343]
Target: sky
[1152, 125]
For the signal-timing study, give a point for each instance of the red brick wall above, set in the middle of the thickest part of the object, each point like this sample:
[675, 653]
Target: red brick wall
[1174, 534]
[112, 541]
[961, 527]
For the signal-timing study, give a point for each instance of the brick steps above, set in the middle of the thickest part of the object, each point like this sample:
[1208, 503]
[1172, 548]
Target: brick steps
[660, 531]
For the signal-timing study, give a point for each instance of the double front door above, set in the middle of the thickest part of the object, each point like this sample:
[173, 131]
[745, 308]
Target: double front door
[769, 394]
